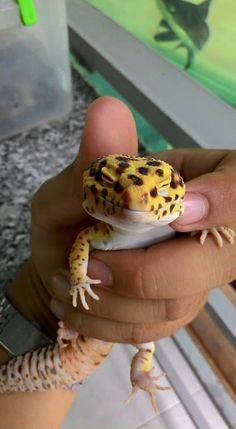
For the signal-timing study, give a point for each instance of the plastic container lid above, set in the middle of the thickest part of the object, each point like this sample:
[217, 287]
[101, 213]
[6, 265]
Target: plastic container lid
[17, 13]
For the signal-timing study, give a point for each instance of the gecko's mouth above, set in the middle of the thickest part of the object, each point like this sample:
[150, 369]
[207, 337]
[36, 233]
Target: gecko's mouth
[108, 211]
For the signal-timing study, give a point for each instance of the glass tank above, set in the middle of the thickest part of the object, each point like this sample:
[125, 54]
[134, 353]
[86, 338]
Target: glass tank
[198, 36]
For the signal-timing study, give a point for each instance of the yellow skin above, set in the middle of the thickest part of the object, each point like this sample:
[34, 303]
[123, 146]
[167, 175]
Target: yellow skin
[135, 199]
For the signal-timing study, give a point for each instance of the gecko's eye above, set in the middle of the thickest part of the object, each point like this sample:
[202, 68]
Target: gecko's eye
[107, 177]
[163, 191]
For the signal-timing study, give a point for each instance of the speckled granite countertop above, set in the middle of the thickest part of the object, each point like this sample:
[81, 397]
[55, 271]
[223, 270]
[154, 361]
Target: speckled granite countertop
[26, 161]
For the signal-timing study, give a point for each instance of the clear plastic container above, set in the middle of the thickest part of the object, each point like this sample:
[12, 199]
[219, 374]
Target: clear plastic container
[35, 80]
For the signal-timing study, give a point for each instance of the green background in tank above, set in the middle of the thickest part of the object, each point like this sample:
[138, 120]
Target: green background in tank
[214, 65]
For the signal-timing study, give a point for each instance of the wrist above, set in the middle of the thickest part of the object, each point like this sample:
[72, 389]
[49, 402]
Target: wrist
[4, 356]
[30, 298]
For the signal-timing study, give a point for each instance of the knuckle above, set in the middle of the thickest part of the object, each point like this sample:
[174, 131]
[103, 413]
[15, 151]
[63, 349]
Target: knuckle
[136, 334]
[175, 309]
[142, 333]
[178, 309]
[138, 281]
[144, 278]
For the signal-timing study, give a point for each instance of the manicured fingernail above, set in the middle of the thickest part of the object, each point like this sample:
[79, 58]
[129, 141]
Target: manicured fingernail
[196, 207]
[98, 270]
[57, 308]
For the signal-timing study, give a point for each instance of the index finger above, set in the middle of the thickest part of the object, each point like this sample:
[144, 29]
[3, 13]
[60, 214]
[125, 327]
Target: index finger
[169, 270]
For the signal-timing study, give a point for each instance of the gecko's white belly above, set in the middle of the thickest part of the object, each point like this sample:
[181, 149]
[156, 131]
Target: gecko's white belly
[121, 239]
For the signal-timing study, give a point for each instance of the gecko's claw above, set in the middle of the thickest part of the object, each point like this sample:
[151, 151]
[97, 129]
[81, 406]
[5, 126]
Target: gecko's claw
[81, 288]
[65, 334]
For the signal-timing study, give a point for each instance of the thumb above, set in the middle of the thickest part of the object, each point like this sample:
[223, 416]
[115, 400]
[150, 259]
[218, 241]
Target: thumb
[109, 128]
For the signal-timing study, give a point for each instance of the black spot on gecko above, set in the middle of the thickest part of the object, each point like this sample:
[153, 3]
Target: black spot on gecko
[167, 199]
[153, 192]
[118, 188]
[102, 163]
[143, 170]
[154, 163]
[172, 208]
[164, 213]
[135, 179]
[173, 184]
[92, 171]
[123, 165]
[159, 172]
[94, 189]
[98, 176]
[104, 193]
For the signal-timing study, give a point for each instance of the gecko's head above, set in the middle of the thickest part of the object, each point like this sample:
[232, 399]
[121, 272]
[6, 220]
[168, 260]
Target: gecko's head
[133, 189]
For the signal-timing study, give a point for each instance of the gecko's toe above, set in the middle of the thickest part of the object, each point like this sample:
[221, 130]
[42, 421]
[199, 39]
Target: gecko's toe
[80, 289]
[218, 233]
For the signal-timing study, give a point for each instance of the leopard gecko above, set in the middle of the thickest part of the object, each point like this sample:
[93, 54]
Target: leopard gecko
[135, 199]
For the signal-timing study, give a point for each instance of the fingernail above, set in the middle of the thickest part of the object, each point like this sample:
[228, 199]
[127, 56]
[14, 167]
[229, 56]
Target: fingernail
[196, 208]
[61, 286]
[57, 308]
[98, 270]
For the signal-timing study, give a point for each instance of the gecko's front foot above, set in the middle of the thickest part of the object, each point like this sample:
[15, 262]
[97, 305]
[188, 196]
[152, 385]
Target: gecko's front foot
[147, 381]
[81, 288]
[218, 233]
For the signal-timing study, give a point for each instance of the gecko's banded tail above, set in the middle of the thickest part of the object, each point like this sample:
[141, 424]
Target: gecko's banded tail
[52, 367]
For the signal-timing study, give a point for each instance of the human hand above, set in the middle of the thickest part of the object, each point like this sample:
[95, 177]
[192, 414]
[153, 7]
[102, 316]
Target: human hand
[145, 294]
[57, 214]
[148, 294]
